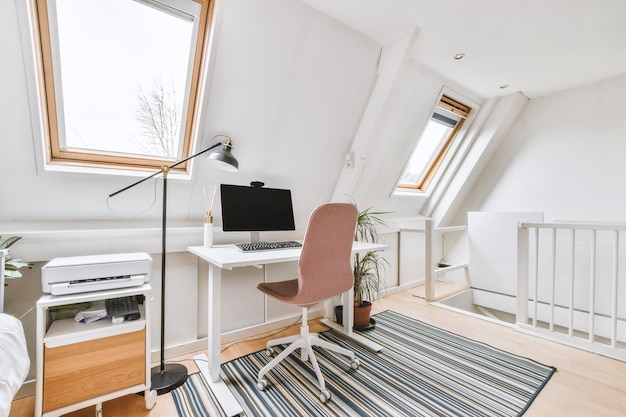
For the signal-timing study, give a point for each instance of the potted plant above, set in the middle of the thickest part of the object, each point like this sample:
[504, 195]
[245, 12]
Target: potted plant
[369, 267]
[368, 271]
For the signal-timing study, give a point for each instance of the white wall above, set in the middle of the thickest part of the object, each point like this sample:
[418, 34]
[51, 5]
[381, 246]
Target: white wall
[563, 157]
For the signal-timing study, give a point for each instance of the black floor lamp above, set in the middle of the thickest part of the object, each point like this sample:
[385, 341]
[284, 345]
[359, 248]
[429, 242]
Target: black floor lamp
[167, 377]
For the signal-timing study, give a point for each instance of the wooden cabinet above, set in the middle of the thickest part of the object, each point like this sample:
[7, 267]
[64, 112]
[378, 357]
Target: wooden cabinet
[84, 364]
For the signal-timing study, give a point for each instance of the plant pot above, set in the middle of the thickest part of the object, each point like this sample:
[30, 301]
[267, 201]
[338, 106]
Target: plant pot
[362, 314]
[339, 314]
[339, 319]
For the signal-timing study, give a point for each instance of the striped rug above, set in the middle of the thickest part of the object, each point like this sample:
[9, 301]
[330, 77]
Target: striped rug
[422, 371]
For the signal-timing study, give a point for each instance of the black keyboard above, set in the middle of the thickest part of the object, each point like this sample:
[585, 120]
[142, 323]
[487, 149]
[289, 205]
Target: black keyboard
[260, 246]
[122, 306]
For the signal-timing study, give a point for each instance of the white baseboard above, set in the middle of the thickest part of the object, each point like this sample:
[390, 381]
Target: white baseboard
[403, 287]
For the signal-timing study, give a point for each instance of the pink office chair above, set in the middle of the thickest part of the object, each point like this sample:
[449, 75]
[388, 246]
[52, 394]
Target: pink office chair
[324, 271]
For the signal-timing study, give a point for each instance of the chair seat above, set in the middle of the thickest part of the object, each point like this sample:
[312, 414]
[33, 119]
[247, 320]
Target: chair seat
[283, 290]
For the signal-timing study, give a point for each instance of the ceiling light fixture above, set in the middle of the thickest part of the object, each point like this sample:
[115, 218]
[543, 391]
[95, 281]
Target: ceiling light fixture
[459, 56]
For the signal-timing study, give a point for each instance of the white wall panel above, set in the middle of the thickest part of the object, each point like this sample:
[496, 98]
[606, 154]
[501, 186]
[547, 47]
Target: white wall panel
[412, 257]
[493, 249]
[277, 310]
[242, 303]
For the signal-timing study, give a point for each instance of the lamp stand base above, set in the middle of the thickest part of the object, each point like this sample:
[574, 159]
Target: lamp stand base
[171, 378]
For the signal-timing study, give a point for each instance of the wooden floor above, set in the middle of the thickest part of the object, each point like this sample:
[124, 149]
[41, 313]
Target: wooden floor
[585, 384]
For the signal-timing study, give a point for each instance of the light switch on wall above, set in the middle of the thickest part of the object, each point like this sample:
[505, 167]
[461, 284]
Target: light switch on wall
[350, 160]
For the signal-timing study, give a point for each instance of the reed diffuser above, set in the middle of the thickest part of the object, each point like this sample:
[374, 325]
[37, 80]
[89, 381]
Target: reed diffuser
[208, 217]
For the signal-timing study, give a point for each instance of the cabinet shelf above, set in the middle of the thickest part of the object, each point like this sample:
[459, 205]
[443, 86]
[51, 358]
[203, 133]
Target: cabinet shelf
[449, 268]
[448, 229]
[68, 331]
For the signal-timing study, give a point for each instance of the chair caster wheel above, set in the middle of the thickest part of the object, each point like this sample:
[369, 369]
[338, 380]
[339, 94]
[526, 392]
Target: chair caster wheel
[324, 396]
[261, 384]
[269, 351]
[355, 364]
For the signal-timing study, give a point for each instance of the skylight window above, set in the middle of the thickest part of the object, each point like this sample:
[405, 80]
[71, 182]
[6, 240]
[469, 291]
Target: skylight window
[121, 79]
[433, 145]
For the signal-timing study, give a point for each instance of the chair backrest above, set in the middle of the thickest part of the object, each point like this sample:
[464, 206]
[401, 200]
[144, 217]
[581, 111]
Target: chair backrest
[325, 267]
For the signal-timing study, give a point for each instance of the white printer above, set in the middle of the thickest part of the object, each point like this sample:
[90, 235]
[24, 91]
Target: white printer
[78, 274]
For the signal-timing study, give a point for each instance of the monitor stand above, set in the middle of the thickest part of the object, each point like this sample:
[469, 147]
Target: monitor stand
[255, 237]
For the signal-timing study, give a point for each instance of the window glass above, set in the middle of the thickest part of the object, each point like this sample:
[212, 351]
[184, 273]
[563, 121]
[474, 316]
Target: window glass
[425, 152]
[120, 78]
[433, 144]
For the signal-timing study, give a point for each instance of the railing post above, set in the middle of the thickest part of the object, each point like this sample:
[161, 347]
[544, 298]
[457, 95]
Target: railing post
[592, 286]
[571, 283]
[522, 274]
[614, 291]
[536, 278]
[428, 261]
[553, 281]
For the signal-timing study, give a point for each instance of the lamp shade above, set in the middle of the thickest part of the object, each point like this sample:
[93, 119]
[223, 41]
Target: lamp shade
[223, 158]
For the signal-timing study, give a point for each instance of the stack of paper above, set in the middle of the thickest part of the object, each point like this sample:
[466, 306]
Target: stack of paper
[96, 311]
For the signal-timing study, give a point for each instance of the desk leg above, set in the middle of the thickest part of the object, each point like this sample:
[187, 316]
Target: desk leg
[348, 323]
[348, 313]
[214, 322]
[210, 367]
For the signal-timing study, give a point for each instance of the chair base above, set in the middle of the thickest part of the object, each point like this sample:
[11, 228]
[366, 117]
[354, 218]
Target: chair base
[305, 341]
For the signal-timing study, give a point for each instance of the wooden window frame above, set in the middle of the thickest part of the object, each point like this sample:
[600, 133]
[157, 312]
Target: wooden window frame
[453, 106]
[117, 160]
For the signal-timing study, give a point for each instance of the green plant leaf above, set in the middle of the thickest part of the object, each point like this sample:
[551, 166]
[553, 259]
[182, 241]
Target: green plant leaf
[15, 264]
[9, 242]
[368, 222]
[12, 274]
[369, 268]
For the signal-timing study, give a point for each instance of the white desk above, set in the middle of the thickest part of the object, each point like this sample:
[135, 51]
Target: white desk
[228, 257]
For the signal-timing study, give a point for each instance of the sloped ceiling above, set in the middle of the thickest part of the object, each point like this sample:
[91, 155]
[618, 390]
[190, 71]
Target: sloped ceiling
[537, 47]
[292, 80]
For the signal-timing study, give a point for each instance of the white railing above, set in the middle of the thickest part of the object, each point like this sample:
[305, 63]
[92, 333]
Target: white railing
[432, 236]
[571, 284]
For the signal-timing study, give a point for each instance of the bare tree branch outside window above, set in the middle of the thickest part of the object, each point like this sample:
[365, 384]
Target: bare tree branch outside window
[159, 115]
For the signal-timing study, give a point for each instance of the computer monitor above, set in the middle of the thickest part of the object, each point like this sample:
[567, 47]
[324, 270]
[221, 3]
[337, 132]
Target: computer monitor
[256, 209]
